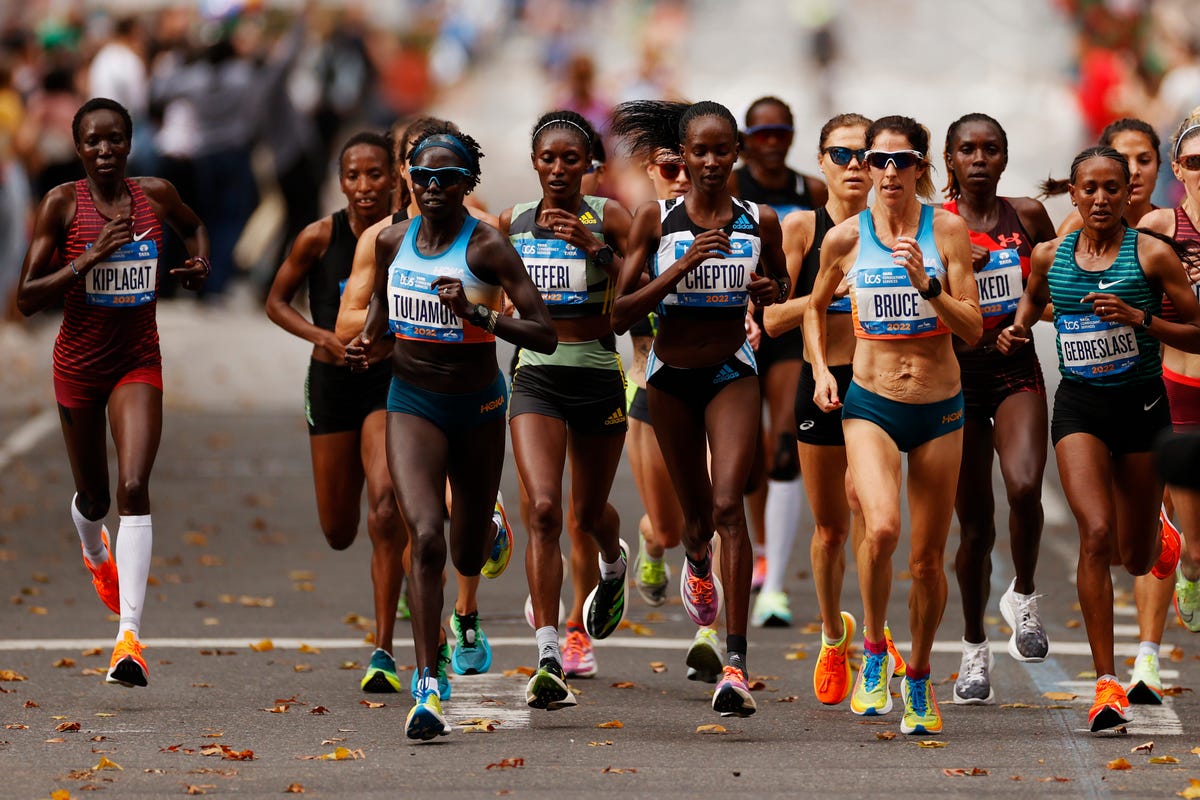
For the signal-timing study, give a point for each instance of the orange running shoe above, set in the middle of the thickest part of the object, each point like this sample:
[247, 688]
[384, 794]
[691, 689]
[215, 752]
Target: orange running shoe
[127, 667]
[832, 678]
[104, 577]
[899, 668]
[1111, 707]
[758, 575]
[1172, 546]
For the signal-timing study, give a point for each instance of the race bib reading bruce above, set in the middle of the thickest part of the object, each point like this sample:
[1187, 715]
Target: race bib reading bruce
[557, 268]
[719, 282]
[1091, 347]
[888, 305]
[126, 278]
[415, 312]
[999, 284]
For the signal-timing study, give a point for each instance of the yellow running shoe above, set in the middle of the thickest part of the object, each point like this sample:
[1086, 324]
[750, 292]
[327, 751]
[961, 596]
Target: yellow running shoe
[127, 666]
[921, 712]
[871, 697]
[502, 546]
[425, 720]
[832, 677]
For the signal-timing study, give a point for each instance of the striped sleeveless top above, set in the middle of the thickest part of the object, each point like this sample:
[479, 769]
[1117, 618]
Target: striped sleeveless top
[570, 284]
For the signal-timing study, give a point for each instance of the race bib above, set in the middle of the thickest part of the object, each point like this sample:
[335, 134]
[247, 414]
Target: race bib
[719, 282]
[415, 312]
[557, 268]
[888, 305]
[1091, 347]
[126, 278]
[999, 284]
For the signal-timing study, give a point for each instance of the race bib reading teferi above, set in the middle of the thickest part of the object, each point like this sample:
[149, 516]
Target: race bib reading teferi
[557, 268]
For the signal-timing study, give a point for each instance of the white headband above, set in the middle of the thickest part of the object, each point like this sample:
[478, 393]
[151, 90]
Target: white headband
[579, 127]
[1182, 136]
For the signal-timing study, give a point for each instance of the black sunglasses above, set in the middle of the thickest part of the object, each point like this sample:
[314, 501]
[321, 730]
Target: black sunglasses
[902, 159]
[842, 155]
[444, 177]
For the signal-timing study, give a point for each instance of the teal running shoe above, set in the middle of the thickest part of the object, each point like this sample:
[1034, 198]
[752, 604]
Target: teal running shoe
[381, 674]
[472, 654]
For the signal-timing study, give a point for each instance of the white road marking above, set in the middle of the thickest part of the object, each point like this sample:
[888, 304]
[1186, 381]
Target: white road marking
[490, 697]
[26, 437]
[1147, 720]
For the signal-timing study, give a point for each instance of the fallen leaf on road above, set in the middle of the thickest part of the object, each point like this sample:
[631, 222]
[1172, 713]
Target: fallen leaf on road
[1017, 705]
[104, 763]
[658, 667]
[279, 709]
[60, 794]
[616, 723]
[318, 710]
[1119, 764]
[65, 663]
[202, 789]
[1054, 779]
[294, 788]
[55, 740]
[798, 655]
[1072, 623]
[256, 602]
[209, 560]
[638, 630]
[507, 763]
[478, 728]
[30, 703]
[92, 651]
[196, 539]
[526, 672]
[340, 754]
[605, 743]
[757, 686]
[302, 668]
[712, 729]
[355, 665]
[214, 735]
[93, 671]
[17, 726]
[617, 770]
[1192, 791]
[1061, 696]
[1164, 760]
[302, 575]
[10, 675]
[308, 648]
[370, 704]
[1175, 691]
[67, 726]
[333, 741]
[931, 743]
[264, 646]
[886, 736]
[104, 714]
[624, 685]
[791, 698]
[958, 772]
[1176, 654]
[1146, 747]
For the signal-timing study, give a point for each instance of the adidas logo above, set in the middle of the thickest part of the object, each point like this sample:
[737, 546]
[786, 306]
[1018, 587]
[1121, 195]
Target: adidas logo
[588, 218]
[743, 224]
[615, 418]
[726, 374]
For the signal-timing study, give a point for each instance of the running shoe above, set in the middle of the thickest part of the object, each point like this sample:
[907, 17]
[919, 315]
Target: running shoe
[502, 546]
[832, 678]
[1145, 685]
[472, 653]
[704, 660]
[1028, 641]
[1111, 707]
[732, 695]
[974, 683]
[104, 577]
[921, 712]
[899, 666]
[579, 660]
[443, 674]
[547, 688]
[651, 578]
[759, 575]
[701, 596]
[1172, 547]
[562, 613]
[771, 611]
[871, 696]
[425, 720]
[605, 605]
[381, 674]
[127, 666]
[1187, 601]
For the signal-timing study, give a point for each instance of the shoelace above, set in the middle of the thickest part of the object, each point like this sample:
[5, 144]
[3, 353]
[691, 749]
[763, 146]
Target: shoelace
[701, 589]
[918, 697]
[1109, 693]
[975, 667]
[871, 669]
[130, 647]
[831, 663]
[1027, 613]
[575, 645]
[732, 674]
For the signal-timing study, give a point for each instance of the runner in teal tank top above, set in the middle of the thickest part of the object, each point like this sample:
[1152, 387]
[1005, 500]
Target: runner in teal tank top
[1107, 282]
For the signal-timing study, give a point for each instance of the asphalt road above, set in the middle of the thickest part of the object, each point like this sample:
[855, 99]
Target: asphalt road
[239, 560]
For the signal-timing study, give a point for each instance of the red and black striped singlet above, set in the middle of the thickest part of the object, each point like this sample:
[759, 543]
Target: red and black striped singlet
[109, 325]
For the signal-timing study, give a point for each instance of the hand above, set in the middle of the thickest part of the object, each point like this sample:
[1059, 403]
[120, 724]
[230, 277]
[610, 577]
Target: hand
[763, 291]
[115, 233]
[355, 354]
[1012, 338]
[453, 296]
[825, 391]
[193, 273]
[1110, 308]
[907, 254]
[566, 226]
[709, 244]
[334, 345]
[980, 256]
[753, 332]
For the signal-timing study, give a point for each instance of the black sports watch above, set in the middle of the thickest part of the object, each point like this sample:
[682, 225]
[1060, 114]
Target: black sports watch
[479, 313]
[603, 257]
[935, 288]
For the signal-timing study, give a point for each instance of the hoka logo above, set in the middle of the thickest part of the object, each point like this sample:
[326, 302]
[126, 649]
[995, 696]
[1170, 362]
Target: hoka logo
[726, 375]
[588, 218]
[743, 224]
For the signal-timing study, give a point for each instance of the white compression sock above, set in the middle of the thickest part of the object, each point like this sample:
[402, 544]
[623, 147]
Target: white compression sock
[547, 642]
[784, 499]
[614, 570]
[89, 535]
[135, 539]
[1148, 648]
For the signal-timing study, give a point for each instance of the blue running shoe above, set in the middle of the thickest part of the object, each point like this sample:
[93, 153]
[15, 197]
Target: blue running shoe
[443, 676]
[381, 673]
[425, 720]
[502, 547]
[472, 654]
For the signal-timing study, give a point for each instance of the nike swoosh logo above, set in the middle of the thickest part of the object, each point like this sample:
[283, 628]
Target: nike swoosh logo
[1101, 285]
[137, 237]
[1148, 406]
